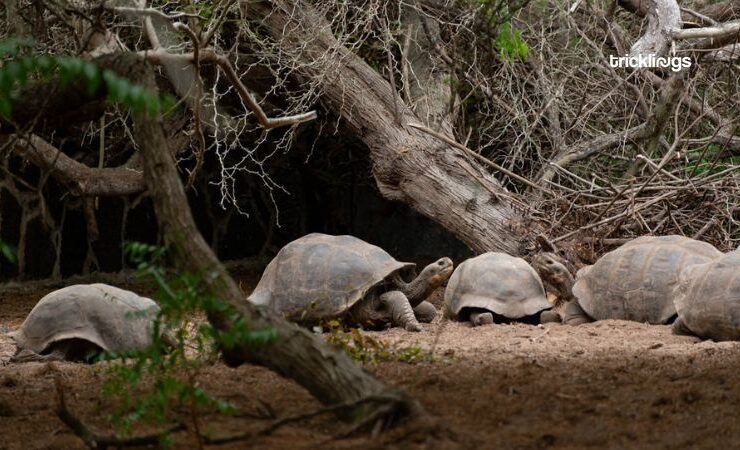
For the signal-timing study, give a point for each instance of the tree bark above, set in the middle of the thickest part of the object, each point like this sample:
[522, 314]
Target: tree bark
[410, 166]
[80, 179]
[327, 373]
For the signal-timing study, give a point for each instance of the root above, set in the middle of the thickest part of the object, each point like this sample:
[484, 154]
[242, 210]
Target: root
[96, 440]
[391, 408]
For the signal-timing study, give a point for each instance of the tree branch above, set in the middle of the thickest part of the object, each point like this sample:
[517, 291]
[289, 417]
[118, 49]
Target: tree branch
[80, 179]
[160, 57]
[663, 18]
[326, 372]
[722, 31]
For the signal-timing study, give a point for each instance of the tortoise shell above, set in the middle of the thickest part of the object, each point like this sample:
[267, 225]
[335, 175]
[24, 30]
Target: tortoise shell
[708, 298]
[320, 276]
[636, 281]
[497, 282]
[114, 319]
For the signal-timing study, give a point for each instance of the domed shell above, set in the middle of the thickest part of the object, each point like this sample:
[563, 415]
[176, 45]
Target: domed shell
[497, 282]
[114, 319]
[320, 276]
[636, 281]
[708, 298]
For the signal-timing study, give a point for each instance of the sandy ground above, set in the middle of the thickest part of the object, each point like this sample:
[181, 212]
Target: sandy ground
[610, 384]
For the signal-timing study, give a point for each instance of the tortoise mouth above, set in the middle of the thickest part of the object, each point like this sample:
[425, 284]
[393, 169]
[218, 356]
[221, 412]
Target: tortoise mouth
[442, 277]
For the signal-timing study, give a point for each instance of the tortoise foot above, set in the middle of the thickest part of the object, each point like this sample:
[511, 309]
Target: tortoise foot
[550, 317]
[413, 326]
[425, 312]
[483, 318]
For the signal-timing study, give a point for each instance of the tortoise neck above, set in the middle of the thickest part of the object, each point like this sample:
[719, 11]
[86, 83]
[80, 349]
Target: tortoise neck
[565, 288]
[416, 290]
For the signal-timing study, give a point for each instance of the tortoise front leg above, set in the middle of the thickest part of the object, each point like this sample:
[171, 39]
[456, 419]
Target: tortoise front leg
[550, 316]
[478, 318]
[425, 312]
[574, 314]
[401, 313]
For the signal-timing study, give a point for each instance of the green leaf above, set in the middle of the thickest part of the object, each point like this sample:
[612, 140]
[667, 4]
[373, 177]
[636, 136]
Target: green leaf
[92, 76]
[11, 46]
[511, 44]
[15, 73]
[5, 109]
[8, 251]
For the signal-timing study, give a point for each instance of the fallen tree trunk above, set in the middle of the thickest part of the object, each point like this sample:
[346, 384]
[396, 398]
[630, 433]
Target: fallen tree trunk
[435, 178]
[327, 373]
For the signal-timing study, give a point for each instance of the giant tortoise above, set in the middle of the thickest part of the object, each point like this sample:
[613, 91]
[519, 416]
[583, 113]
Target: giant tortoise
[494, 283]
[319, 277]
[633, 282]
[708, 299]
[80, 321]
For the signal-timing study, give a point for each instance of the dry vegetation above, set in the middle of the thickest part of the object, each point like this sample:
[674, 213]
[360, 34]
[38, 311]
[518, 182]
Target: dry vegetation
[598, 153]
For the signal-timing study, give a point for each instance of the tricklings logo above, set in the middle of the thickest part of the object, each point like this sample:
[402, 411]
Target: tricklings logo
[676, 63]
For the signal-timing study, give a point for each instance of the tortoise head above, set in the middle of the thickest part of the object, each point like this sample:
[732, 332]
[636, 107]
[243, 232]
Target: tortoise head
[437, 272]
[551, 268]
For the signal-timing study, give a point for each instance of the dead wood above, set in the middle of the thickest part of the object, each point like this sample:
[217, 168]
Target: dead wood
[80, 179]
[408, 165]
[327, 373]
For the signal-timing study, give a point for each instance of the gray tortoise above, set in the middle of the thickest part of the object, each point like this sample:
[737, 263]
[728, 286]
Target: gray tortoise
[633, 282]
[494, 283]
[77, 322]
[319, 277]
[708, 299]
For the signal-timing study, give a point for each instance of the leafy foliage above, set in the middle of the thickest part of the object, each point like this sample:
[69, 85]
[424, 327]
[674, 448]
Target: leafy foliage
[17, 71]
[710, 160]
[498, 12]
[367, 349]
[511, 44]
[9, 252]
[182, 347]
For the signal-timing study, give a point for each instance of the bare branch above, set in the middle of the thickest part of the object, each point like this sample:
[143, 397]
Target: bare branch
[722, 31]
[159, 56]
[663, 18]
[153, 12]
[81, 180]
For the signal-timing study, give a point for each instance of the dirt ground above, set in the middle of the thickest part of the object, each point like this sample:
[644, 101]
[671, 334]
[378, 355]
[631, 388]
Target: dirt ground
[610, 384]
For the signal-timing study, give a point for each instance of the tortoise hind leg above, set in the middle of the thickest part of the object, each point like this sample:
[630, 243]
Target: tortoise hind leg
[25, 355]
[680, 328]
[77, 350]
[425, 312]
[401, 313]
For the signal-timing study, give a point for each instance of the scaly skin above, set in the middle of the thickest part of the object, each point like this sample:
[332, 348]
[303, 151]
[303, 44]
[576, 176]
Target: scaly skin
[401, 306]
[421, 287]
[554, 273]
